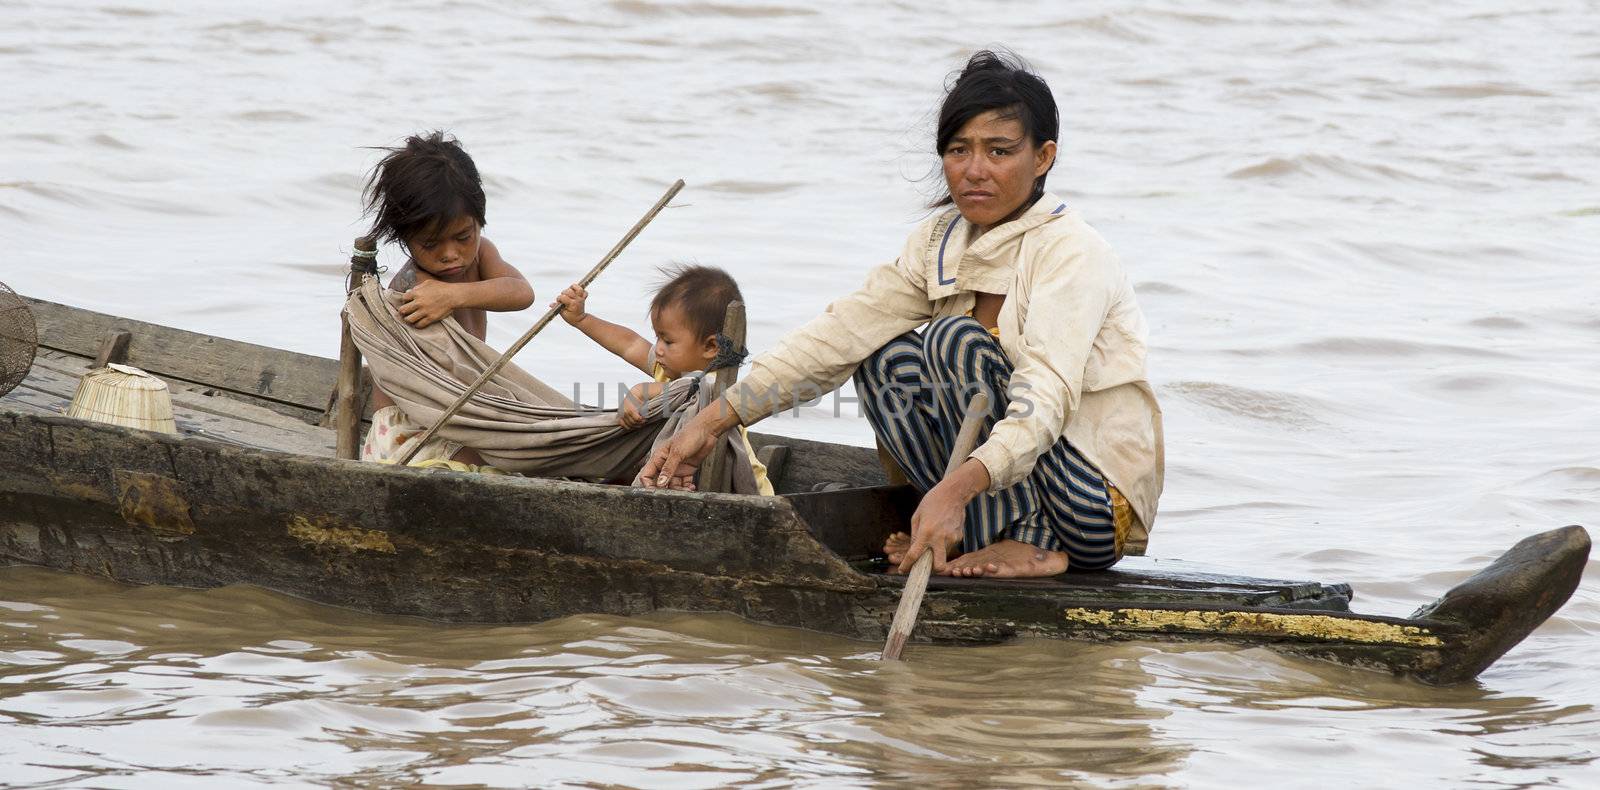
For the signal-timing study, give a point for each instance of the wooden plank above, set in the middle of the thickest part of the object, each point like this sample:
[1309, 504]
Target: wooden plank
[30, 397]
[264, 374]
[855, 522]
[54, 377]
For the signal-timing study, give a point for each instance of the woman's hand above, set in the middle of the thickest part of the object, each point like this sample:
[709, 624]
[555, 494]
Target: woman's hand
[675, 463]
[572, 303]
[632, 414]
[939, 521]
[428, 302]
[937, 525]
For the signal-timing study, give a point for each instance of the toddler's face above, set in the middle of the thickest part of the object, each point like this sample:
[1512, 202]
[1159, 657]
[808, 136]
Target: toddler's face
[451, 253]
[677, 349]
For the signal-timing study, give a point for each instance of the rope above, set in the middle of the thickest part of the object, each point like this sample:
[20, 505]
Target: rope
[728, 355]
[364, 261]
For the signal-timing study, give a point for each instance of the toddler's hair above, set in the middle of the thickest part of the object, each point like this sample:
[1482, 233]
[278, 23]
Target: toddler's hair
[421, 187]
[701, 292]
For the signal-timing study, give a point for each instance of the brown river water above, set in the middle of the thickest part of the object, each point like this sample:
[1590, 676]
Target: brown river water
[1364, 234]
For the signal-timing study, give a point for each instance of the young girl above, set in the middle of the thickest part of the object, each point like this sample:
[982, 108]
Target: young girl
[427, 196]
[686, 314]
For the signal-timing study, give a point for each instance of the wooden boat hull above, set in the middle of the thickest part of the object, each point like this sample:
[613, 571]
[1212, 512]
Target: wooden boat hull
[154, 509]
[249, 493]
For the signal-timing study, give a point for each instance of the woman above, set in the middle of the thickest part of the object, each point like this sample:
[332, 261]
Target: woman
[1014, 294]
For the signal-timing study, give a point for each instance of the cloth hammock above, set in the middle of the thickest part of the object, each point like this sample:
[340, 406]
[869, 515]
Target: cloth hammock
[515, 421]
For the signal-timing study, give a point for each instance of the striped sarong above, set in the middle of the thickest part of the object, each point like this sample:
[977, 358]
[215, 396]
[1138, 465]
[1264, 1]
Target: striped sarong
[914, 391]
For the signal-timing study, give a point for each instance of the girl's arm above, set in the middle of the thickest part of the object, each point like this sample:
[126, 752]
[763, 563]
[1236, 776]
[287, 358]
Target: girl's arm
[619, 340]
[429, 299]
[501, 289]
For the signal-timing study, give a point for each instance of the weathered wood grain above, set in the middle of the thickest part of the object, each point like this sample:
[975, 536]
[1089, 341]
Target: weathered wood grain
[350, 399]
[714, 471]
[267, 375]
[113, 349]
[49, 387]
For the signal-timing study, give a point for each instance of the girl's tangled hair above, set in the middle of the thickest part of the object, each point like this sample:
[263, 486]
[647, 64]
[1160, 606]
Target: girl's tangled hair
[422, 186]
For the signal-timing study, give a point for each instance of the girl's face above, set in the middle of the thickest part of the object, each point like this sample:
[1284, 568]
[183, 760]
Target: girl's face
[451, 253]
[990, 166]
[677, 349]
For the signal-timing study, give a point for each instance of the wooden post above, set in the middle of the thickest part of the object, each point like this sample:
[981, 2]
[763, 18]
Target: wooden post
[714, 472]
[113, 348]
[347, 425]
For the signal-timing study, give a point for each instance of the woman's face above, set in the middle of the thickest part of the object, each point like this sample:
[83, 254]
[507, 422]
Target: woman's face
[990, 166]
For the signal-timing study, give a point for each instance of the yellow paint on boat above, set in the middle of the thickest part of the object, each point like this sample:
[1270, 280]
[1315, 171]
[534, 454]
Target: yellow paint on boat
[1304, 626]
[152, 502]
[347, 538]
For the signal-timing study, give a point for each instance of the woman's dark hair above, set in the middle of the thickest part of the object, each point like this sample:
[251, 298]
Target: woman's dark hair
[703, 293]
[998, 81]
[422, 186]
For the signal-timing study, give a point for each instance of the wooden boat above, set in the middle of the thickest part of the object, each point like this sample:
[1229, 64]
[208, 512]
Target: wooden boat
[249, 492]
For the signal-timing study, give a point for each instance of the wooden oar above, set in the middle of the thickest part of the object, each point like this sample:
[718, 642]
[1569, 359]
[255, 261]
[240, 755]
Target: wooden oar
[905, 615]
[548, 317]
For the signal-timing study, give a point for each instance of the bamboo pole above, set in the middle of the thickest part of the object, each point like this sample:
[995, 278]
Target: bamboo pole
[543, 322]
[905, 615]
[348, 401]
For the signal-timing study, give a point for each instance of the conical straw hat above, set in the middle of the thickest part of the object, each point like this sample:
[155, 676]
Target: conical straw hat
[123, 395]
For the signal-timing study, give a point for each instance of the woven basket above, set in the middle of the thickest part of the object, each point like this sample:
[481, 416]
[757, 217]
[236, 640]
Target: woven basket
[124, 395]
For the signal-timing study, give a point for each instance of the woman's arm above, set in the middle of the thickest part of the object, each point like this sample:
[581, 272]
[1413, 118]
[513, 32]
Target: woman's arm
[1069, 291]
[810, 361]
[819, 356]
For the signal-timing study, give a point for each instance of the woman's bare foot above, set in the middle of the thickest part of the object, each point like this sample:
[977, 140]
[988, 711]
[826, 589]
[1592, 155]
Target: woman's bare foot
[1008, 559]
[896, 547]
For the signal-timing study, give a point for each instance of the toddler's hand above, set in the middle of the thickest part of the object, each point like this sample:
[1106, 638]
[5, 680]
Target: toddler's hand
[572, 301]
[631, 414]
[428, 302]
